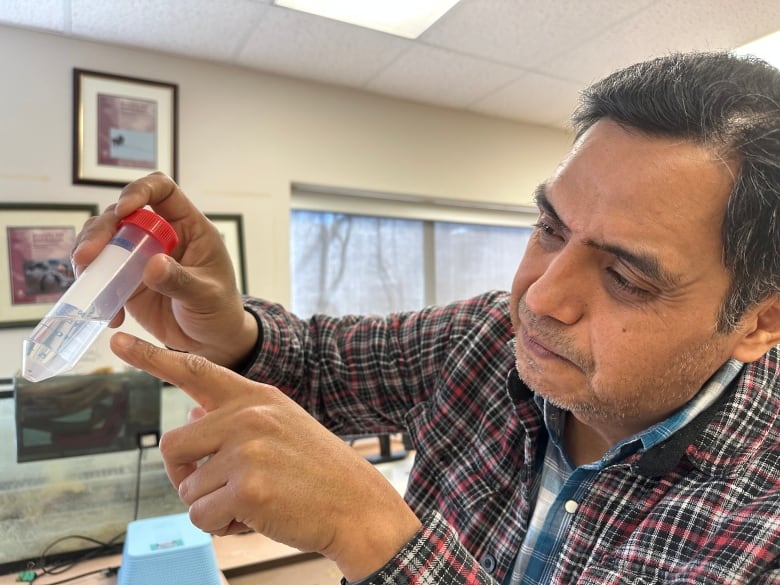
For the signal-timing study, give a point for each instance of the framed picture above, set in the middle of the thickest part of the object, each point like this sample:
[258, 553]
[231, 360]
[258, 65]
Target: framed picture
[35, 248]
[231, 227]
[123, 128]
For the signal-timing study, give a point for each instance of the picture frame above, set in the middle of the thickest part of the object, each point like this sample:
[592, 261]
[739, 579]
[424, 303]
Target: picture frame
[123, 128]
[35, 269]
[231, 227]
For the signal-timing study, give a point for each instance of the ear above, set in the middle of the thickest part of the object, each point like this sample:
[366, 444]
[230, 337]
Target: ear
[760, 327]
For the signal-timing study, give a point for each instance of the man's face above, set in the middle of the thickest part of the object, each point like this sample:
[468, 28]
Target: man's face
[616, 299]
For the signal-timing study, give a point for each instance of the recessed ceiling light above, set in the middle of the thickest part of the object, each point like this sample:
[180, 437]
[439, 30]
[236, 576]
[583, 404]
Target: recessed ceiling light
[767, 48]
[405, 18]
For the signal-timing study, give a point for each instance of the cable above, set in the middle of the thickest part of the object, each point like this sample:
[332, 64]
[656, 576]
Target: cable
[107, 572]
[138, 483]
[57, 569]
[144, 441]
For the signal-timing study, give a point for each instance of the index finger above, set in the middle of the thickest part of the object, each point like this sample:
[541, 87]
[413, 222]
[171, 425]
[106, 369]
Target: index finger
[158, 191]
[204, 381]
[96, 232]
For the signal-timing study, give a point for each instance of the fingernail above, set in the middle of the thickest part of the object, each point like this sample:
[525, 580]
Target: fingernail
[73, 255]
[122, 340]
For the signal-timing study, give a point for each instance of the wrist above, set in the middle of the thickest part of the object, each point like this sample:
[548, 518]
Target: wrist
[247, 344]
[367, 549]
[237, 345]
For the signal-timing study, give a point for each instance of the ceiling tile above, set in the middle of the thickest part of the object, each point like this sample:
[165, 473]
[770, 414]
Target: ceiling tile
[438, 76]
[44, 14]
[199, 28]
[525, 33]
[666, 27]
[534, 98]
[301, 45]
[519, 59]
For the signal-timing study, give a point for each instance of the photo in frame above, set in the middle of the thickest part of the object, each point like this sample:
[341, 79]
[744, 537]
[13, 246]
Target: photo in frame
[123, 128]
[231, 228]
[35, 269]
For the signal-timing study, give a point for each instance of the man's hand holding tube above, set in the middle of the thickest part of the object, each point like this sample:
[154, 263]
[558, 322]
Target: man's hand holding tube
[267, 465]
[189, 300]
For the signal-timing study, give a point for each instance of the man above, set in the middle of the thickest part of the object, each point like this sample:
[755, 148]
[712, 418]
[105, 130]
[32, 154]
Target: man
[635, 440]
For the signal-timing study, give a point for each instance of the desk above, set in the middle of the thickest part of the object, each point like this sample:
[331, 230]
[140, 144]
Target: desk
[239, 554]
[249, 552]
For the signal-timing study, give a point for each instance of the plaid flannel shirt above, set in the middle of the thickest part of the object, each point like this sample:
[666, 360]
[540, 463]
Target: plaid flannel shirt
[701, 507]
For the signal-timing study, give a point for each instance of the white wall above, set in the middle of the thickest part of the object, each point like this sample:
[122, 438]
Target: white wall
[245, 136]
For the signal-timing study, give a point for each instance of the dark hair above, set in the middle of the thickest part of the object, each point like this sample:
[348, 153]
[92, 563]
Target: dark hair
[731, 105]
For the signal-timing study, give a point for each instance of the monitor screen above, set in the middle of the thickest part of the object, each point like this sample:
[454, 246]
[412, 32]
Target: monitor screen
[67, 416]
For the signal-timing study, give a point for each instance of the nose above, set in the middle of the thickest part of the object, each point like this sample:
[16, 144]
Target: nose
[561, 287]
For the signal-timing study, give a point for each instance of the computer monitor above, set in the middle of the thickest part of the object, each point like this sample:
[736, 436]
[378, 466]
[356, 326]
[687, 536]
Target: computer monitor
[67, 416]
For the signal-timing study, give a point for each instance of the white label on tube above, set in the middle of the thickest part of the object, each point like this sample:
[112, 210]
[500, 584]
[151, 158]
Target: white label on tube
[96, 277]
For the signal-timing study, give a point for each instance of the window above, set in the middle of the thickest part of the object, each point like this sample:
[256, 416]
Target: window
[405, 255]
[473, 258]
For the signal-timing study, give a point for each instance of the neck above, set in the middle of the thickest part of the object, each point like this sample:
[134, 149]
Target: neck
[584, 444]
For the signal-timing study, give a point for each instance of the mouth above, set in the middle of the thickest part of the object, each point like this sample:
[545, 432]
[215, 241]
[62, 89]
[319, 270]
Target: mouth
[544, 348]
[544, 342]
[539, 347]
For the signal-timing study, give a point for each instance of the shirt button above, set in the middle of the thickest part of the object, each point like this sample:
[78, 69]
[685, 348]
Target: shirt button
[489, 563]
[571, 506]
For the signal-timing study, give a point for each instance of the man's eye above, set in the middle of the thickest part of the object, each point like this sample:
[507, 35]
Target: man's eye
[623, 285]
[545, 228]
[548, 236]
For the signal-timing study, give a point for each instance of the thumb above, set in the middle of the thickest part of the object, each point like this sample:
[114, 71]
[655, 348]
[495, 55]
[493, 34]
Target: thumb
[200, 288]
[166, 276]
[196, 413]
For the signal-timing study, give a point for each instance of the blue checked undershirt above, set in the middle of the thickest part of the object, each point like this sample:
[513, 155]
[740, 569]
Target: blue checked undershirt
[562, 486]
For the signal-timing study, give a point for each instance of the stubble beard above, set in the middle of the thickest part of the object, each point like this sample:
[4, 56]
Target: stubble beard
[675, 383]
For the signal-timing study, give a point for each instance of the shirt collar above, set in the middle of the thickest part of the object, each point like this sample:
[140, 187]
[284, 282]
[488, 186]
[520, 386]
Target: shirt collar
[555, 419]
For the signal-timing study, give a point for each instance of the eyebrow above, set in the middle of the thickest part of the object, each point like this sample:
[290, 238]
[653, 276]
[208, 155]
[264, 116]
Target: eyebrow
[644, 263]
